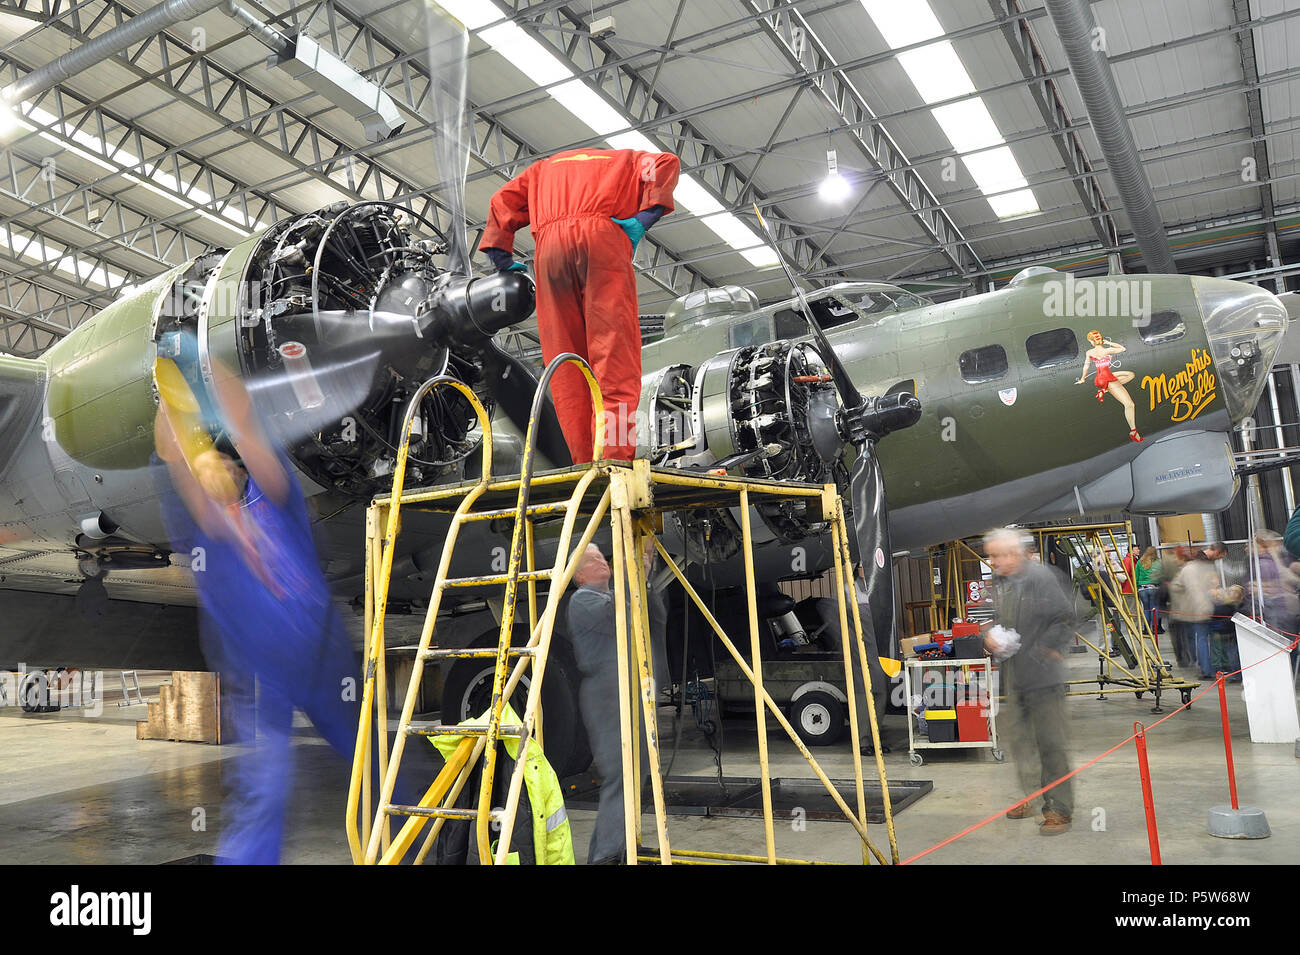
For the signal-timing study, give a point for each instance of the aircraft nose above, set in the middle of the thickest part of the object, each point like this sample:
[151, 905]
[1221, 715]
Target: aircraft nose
[1244, 325]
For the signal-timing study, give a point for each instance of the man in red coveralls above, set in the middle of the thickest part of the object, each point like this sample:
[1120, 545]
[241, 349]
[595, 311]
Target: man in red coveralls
[588, 209]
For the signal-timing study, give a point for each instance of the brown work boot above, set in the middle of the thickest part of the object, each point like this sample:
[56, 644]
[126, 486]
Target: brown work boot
[1054, 823]
[1021, 812]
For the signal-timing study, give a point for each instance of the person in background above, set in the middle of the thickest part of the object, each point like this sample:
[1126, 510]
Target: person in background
[588, 208]
[1129, 578]
[1192, 606]
[592, 631]
[1033, 626]
[1172, 567]
[1274, 597]
[1223, 633]
[1146, 573]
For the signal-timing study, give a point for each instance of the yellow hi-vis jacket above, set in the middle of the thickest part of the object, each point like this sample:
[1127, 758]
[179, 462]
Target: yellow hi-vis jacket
[552, 837]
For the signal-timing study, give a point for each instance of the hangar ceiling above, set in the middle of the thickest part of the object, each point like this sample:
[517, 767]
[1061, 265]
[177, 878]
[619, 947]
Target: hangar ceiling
[189, 140]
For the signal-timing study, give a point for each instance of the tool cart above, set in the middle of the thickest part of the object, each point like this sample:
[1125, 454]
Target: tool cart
[954, 698]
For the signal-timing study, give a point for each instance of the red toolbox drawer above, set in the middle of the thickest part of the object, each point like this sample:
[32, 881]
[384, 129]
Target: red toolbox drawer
[972, 721]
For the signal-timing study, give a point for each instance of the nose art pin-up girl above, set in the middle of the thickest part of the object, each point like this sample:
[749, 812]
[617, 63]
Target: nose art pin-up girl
[1101, 354]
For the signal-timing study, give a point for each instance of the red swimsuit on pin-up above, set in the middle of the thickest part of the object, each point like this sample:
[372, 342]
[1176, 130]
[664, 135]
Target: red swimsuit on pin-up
[1104, 375]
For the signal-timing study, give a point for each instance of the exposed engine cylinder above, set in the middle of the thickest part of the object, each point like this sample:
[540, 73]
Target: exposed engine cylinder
[335, 318]
[763, 411]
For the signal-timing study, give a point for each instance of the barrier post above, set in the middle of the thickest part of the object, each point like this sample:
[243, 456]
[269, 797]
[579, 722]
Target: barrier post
[1227, 739]
[1234, 822]
[1144, 772]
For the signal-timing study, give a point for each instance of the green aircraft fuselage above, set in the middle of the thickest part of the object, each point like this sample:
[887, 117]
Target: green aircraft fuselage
[997, 377]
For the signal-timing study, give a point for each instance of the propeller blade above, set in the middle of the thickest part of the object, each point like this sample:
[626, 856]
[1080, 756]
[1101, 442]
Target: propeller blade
[871, 534]
[309, 394]
[447, 49]
[513, 385]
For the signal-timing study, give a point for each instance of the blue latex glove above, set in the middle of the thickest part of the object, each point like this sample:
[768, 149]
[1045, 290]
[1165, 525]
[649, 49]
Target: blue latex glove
[633, 228]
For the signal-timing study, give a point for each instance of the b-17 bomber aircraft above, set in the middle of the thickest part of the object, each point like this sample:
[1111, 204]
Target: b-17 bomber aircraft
[334, 318]
[1008, 433]
[1054, 396]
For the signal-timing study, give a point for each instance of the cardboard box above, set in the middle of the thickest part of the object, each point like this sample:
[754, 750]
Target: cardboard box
[907, 643]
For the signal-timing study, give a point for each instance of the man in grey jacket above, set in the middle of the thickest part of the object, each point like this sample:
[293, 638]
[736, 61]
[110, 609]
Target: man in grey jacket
[1032, 604]
[591, 630]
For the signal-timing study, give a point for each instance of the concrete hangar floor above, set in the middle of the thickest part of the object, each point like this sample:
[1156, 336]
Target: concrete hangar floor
[82, 790]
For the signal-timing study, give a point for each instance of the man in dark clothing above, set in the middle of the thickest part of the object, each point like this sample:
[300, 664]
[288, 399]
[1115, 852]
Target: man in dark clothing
[1032, 606]
[591, 630]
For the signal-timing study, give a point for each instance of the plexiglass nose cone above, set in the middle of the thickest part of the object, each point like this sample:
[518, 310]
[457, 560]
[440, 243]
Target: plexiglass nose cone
[1245, 325]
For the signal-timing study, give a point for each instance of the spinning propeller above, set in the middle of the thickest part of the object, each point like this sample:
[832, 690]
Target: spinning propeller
[862, 420]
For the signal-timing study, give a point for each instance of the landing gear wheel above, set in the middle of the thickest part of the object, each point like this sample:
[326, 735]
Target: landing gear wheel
[998, 756]
[916, 759]
[818, 718]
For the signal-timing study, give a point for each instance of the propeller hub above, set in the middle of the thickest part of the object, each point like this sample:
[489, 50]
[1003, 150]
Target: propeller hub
[879, 416]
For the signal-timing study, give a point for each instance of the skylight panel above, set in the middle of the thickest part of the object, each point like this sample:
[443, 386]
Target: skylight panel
[586, 105]
[938, 75]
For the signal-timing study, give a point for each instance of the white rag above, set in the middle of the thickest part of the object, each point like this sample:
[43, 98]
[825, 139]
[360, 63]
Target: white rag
[1002, 642]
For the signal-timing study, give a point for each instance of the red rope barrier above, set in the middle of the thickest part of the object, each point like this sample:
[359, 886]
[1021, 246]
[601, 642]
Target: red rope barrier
[1096, 759]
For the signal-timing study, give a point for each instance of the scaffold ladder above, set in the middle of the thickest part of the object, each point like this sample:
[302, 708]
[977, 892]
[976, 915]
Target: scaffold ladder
[373, 843]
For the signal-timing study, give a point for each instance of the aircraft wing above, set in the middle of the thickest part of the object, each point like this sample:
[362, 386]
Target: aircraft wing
[30, 567]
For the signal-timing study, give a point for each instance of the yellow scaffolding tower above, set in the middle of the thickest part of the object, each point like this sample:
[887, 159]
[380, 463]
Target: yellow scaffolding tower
[630, 498]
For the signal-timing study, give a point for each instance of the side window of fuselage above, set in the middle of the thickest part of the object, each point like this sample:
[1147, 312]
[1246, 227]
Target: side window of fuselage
[979, 365]
[756, 331]
[1056, 347]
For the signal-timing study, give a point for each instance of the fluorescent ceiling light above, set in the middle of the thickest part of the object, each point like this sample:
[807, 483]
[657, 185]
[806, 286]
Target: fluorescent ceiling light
[1014, 204]
[938, 74]
[968, 126]
[995, 170]
[57, 256]
[71, 140]
[903, 22]
[585, 104]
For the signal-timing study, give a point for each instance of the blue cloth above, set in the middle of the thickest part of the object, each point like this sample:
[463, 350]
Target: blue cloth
[1148, 595]
[271, 621]
[504, 261]
[648, 217]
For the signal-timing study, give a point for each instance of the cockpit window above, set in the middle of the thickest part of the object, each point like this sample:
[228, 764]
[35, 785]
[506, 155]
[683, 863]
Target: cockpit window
[754, 332]
[841, 308]
[983, 364]
[790, 322]
[1165, 326]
